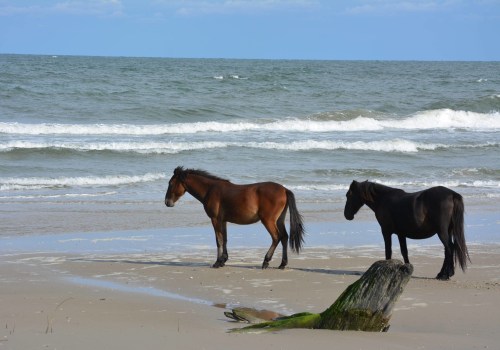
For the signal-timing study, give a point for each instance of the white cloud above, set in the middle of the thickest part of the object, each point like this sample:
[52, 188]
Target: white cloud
[192, 7]
[10, 10]
[398, 6]
[92, 8]
[73, 7]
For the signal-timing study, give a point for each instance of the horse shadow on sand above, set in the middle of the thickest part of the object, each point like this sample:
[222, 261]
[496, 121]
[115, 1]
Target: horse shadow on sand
[191, 264]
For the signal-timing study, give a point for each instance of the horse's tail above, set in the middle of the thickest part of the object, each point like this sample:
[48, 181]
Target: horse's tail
[296, 225]
[461, 255]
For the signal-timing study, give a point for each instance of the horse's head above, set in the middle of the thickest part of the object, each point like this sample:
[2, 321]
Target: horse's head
[354, 200]
[176, 187]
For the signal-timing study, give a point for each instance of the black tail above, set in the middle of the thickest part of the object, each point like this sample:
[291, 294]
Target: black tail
[457, 232]
[296, 226]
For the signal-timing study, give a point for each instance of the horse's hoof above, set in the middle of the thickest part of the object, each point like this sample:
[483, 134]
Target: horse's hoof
[442, 277]
[265, 265]
[218, 264]
[282, 267]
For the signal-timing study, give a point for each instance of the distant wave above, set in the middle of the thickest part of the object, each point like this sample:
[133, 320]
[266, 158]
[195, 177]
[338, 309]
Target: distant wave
[378, 146]
[54, 196]
[449, 119]
[319, 187]
[397, 145]
[231, 76]
[136, 147]
[124, 129]
[448, 183]
[33, 183]
[406, 185]
[426, 120]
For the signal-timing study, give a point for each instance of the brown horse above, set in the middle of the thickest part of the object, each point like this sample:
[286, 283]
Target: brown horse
[241, 204]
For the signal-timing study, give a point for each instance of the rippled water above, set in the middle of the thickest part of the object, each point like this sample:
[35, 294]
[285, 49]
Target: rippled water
[97, 130]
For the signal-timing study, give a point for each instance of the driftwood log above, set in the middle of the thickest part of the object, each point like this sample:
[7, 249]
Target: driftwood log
[366, 305]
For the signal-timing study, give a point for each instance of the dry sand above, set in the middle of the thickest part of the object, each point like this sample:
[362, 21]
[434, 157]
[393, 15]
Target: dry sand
[168, 301]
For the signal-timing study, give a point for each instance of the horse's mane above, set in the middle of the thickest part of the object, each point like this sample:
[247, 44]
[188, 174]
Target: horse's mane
[183, 173]
[369, 190]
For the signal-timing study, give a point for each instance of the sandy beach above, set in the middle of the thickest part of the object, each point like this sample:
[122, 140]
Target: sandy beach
[176, 301]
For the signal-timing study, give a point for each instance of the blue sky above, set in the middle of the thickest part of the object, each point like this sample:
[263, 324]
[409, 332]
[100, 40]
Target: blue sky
[275, 29]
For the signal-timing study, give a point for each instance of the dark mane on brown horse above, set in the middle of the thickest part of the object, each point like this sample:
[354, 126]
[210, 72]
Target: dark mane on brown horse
[182, 173]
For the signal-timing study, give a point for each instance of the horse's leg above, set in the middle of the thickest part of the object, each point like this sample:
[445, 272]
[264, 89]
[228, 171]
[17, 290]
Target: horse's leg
[284, 240]
[388, 245]
[404, 248]
[225, 255]
[219, 239]
[448, 269]
[274, 232]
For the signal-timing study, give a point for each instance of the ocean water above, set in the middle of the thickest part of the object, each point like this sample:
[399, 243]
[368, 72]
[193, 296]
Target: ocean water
[96, 132]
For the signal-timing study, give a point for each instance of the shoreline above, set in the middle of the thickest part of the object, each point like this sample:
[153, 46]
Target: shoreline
[28, 218]
[480, 228]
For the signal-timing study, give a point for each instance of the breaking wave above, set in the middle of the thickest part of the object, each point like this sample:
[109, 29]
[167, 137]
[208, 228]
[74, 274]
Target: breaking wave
[426, 120]
[145, 147]
[34, 183]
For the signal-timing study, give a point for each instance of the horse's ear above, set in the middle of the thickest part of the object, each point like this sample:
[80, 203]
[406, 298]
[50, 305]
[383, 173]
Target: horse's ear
[178, 170]
[353, 187]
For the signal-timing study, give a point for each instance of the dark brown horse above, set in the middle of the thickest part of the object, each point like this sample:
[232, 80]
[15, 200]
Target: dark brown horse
[240, 204]
[416, 215]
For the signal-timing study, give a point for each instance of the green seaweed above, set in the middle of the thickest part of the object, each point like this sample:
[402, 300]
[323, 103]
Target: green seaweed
[300, 320]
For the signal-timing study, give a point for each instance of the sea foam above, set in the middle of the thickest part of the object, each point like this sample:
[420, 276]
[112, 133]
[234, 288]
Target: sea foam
[450, 119]
[146, 147]
[432, 119]
[30, 183]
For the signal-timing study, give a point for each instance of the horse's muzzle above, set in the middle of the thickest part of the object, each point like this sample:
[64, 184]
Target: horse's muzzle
[169, 203]
[349, 217]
